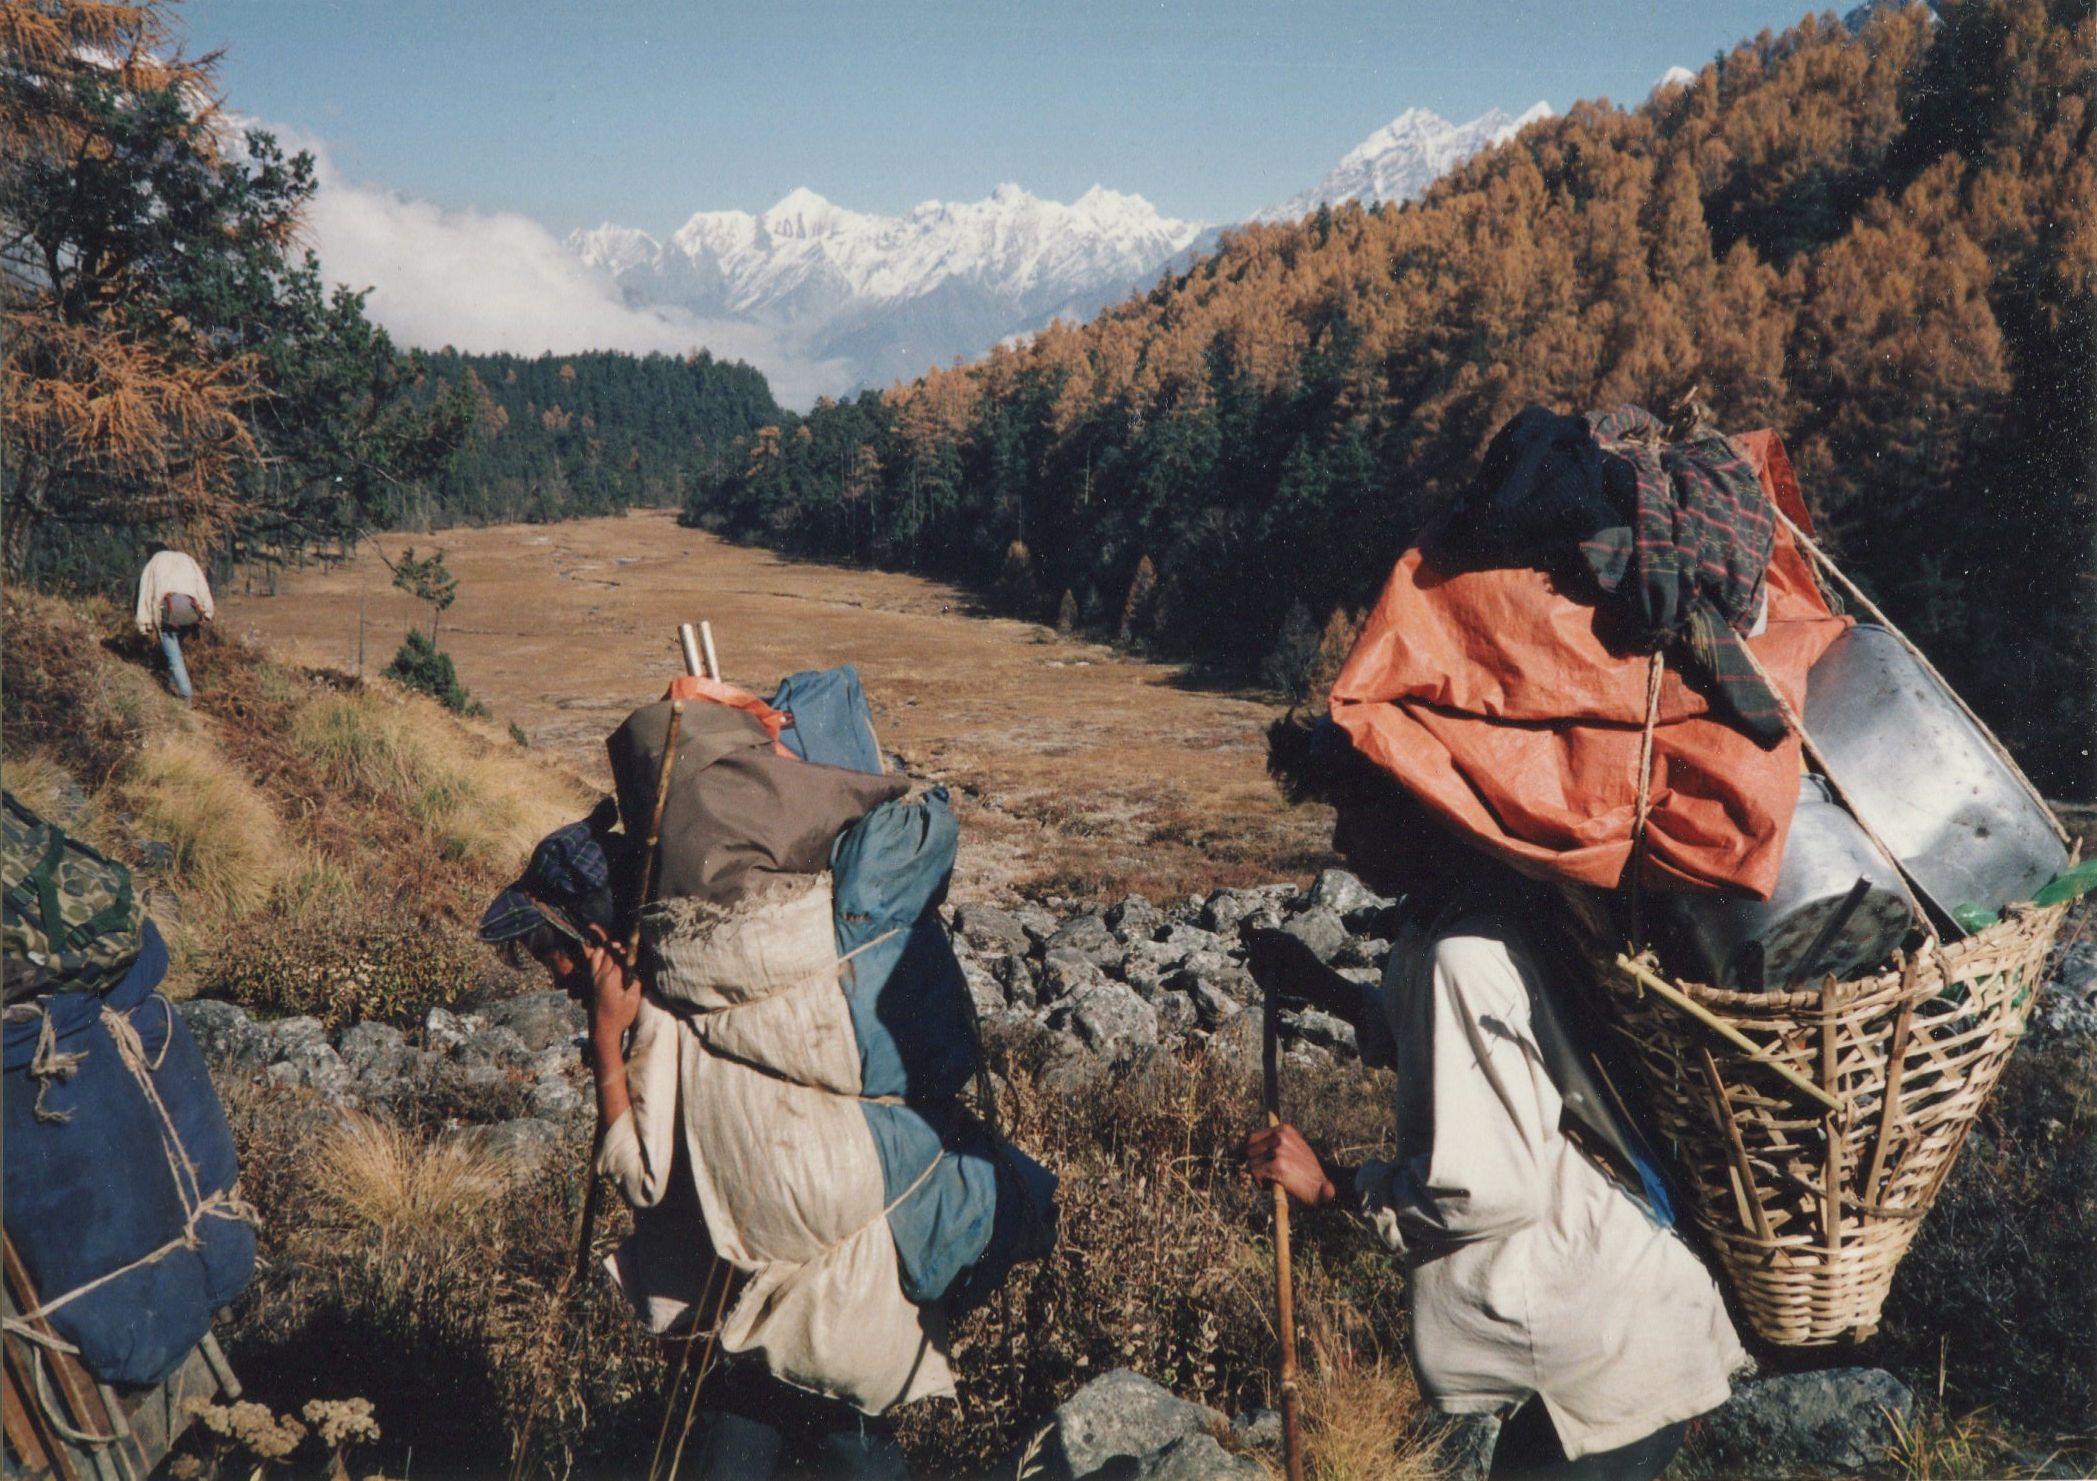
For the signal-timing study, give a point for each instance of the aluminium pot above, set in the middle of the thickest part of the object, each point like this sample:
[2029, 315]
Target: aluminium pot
[1925, 777]
[1809, 925]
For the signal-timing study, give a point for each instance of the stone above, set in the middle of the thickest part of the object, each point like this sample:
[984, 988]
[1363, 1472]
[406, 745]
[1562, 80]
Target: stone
[1320, 930]
[496, 1046]
[1133, 918]
[1089, 937]
[1016, 975]
[1177, 1015]
[226, 1037]
[1069, 1068]
[1342, 893]
[1463, 1447]
[1362, 951]
[1107, 1018]
[1224, 909]
[989, 929]
[1147, 964]
[1266, 918]
[1037, 922]
[1199, 1458]
[984, 990]
[373, 1051]
[1224, 973]
[1239, 1040]
[445, 1031]
[155, 856]
[1212, 1005]
[525, 1145]
[540, 1019]
[2067, 1005]
[1118, 1419]
[555, 1100]
[1260, 1430]
[1323, 1029]
[1186, 940]
[552, 1064]
[314, 1064]
[1837, 1420]
[1065, 971]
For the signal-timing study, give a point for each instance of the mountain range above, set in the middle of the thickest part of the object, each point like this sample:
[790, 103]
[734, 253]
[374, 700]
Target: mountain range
[879, 298]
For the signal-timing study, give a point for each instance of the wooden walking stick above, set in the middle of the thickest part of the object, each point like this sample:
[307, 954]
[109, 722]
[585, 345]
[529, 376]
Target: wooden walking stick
[1284, 1282]
[586, 1216]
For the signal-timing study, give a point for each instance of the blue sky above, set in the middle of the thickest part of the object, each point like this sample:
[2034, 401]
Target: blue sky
[642, 111]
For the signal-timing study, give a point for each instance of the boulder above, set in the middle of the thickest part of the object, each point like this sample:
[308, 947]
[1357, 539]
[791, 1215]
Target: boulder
[1312, 1027]
[1319, 929]
[540, 1019]
[1343, 894]
[373, 1051]
[1258, 1430]
[1177, 1015]
[1036, 921]
[496, 1046]
[1186, 940]
[1198, 1458]
[1107, 1018]
[1115, 1424]
[225, 1035]
[1212, 1004]
[1089, 937]
[1835, 1421]
[984, 990]
[445, 1031]
[1017, 976]
[554, 1100]
[314, 1064]
[1065, 971]
[1133, 918]
[1147, 964]
[1225, 909]
[1362, 951]
[524, 1146]
[989, 929]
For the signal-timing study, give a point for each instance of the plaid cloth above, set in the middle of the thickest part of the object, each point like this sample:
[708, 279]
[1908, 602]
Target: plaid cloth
[1689, 567]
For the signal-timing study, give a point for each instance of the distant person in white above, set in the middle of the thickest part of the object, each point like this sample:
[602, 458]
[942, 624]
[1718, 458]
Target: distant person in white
[1546, 1283]
[174, 600]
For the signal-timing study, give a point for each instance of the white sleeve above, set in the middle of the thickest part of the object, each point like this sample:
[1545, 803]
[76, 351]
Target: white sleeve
[1491, 1108]
[147, 616]
[640, 1147]
[203, 590]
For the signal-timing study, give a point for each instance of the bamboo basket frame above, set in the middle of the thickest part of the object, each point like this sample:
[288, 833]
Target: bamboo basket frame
[1814, 1127]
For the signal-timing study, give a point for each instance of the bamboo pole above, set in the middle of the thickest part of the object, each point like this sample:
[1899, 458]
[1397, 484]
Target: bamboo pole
[1656, 983]
[1284, 1280]
[706, 643]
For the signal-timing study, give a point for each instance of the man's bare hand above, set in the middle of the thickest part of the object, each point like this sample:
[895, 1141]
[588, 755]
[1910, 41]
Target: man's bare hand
[615, 993]
[1279, 1154]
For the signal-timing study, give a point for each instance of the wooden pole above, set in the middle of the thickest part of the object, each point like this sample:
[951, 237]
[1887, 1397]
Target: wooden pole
[1284, 1281]
[586, 1217]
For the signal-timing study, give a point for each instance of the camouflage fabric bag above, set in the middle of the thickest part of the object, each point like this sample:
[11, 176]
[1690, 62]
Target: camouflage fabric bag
[69, 918]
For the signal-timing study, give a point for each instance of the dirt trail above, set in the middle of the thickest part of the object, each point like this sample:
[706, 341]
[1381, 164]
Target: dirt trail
[1077, 770]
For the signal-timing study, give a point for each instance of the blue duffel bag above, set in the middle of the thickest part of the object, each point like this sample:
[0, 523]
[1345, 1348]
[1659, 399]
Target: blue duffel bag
[118, 1180]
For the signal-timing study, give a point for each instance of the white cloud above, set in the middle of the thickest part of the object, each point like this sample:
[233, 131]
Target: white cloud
[490, 281]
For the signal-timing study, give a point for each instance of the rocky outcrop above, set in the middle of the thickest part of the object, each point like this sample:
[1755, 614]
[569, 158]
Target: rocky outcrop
[1126, 1427]
[1838, 1421]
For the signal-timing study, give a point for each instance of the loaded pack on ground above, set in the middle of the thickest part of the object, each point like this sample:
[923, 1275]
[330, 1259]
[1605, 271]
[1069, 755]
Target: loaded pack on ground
[1817, 894]
[124, 1226]
[802, 1057]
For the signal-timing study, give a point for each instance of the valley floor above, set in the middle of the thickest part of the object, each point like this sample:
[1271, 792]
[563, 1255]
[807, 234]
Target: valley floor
[1078, 770]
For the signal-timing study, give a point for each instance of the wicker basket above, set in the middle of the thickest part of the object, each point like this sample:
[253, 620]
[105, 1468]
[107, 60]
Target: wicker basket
[1814, 1128]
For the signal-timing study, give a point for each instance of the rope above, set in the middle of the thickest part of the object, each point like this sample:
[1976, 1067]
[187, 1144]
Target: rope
[1856, 595]
[49, 1066]
[52, 1410]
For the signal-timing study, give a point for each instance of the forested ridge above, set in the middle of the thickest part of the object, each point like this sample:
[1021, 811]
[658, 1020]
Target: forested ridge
[1881, 244]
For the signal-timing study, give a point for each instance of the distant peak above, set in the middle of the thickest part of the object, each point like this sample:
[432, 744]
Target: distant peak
[800, 198]
[1008, 194]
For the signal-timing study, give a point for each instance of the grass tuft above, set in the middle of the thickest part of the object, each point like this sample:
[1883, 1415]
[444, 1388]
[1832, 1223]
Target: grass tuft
[228, 847]
[377, 1175]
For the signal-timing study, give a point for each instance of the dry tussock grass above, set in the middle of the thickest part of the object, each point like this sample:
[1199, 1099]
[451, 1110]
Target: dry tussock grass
[372, 1173]
[1362, 1415]
[229, 849]
[483, 802]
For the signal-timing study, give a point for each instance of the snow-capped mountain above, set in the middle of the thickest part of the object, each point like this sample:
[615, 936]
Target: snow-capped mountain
[866, 299]
[892, 295]
[1403, 158]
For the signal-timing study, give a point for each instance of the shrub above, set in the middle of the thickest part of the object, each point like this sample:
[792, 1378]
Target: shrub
[60, 695]
[343, 961]
[421, 666]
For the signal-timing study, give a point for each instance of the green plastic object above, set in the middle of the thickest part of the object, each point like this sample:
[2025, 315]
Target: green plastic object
[1972, 918]
[2069, 884]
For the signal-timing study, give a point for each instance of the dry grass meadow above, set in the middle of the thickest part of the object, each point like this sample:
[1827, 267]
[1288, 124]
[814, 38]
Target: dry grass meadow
[1078, 770]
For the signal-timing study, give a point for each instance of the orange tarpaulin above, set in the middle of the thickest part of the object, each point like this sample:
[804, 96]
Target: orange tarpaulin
[1490, 696]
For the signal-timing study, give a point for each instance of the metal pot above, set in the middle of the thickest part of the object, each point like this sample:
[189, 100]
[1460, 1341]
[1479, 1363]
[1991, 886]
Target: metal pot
[1809, 925]
[1925, 778]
